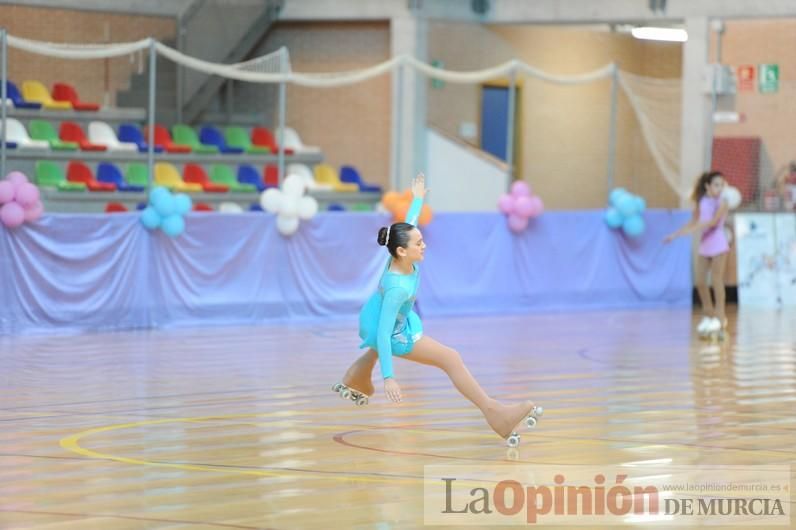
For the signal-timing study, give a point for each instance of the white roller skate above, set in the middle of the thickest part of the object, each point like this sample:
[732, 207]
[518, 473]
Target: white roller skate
[531, 420]
[703, 325]
[714, 331]
[360, 398]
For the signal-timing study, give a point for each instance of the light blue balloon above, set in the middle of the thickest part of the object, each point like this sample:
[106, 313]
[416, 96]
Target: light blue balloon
[627, 205]
[150, 218]
[613, 218]
[641, 205]
[165, 205]
[173, 225]
[158, 191]
[634, 226]
[183, 203]
[615, 195]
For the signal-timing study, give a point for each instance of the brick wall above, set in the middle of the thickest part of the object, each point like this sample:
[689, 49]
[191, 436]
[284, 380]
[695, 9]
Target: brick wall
[92, 78]
[352, 123]
[563, 152]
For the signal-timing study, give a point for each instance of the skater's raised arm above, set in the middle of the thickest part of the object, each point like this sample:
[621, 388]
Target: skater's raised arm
[722, 211]
[418, 192]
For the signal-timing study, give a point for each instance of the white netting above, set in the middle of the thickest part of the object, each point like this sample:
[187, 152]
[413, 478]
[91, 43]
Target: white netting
[275, 67]
[277, 62]
[78, 51]
[657, 104]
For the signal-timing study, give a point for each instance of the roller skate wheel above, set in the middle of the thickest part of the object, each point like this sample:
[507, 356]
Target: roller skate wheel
[538, 411]
[345, 393]
[513, 440]
[363, 400]
[337, 387]
[530, 421]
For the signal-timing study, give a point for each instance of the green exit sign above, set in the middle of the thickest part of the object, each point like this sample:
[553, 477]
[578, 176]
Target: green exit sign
[768, 78]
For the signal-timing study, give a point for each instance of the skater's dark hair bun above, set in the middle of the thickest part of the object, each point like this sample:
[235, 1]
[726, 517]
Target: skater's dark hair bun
[395, 236]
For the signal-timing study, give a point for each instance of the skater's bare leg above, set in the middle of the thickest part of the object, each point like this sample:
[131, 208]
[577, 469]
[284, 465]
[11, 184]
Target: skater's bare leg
[702, 267]
[717, 280]
[502, 418]
[359, 374]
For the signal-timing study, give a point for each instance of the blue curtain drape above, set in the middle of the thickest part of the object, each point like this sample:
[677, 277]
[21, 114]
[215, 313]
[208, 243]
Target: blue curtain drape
[71, 272]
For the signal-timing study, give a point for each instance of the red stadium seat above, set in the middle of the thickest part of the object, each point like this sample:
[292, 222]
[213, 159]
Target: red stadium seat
[115, 207]
[163, 140]
[80, 172]
[195, 174]
[72, 132]
[66, 92]
[262, 137]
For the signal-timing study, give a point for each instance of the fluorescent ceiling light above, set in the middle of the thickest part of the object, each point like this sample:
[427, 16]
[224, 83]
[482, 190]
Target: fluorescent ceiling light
[666, 34]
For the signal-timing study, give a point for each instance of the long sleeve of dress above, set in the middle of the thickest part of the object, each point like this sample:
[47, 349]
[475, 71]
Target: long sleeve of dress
[414, 211]
[393, 299]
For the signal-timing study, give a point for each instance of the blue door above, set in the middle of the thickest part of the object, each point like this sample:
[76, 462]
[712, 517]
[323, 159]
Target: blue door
[494, 120]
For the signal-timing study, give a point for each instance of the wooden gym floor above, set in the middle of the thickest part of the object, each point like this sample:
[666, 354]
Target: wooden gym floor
[238, 427]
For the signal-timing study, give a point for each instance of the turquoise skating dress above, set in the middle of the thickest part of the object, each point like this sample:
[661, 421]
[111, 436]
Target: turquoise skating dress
[387, 322]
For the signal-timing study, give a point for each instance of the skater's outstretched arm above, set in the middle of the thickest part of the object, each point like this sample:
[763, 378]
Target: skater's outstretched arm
[686, 228]
[695, 226]
[394, 297]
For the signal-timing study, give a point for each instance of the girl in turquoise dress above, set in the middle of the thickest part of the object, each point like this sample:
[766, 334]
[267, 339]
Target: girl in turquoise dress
[388, 326]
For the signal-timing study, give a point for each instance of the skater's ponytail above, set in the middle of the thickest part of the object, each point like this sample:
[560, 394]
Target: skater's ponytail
[703, 182]
[395, 236]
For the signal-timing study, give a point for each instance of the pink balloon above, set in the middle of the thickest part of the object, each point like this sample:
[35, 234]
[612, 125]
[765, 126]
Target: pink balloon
[33, 212]
[537, 206]
[524, 206]
[6, 191]
[12, 215]
[506, 203]
[517, 223]
[520, 188]
[16, 177]
[27, 194]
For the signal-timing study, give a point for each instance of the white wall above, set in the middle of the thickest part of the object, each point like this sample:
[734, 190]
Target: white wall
[460, 179]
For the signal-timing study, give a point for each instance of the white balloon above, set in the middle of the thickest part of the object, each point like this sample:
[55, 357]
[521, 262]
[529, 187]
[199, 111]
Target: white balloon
[287, 225]
[732, 196]
[271, 200]
[307, 208]
[293, 186]
[230, 207]
[290, 206]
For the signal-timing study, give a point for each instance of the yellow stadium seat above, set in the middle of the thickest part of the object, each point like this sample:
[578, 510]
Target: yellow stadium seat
[166, 175]
[35, 91]
[327, 175]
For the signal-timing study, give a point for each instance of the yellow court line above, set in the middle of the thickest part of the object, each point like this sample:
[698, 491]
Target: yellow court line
[72, 443]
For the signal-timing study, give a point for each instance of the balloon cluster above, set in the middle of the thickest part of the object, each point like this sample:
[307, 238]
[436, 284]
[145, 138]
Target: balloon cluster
[732, 196]
[19, 200]
[289, 204]
[625, 211]
[398, 205]
[520, 205]
[165, 211]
